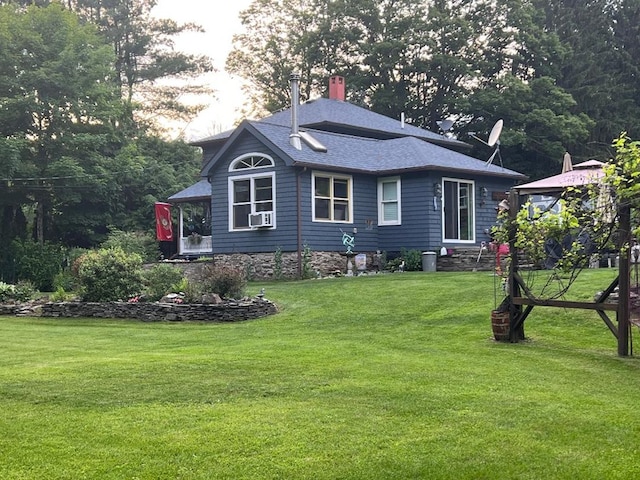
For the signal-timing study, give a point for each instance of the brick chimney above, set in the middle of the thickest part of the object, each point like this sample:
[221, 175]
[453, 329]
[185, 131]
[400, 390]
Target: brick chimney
[336, 88]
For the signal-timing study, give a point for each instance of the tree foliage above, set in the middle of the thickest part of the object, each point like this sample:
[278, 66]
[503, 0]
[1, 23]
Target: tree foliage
[72, 169]
[153, 77]
[144, 49]
[59, 112]
[561, 74]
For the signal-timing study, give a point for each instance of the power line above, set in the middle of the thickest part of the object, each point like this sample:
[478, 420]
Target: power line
[40, 179]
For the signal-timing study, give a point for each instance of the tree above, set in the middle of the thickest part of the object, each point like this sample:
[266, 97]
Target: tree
[70, 173]
[592, 69]
[520, 85]
[153, 77]
[399, 55]
[60, 109]
[144, 51]
[562, 74]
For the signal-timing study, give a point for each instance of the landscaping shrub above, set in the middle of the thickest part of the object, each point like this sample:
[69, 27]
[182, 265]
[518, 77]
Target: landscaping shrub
[181, 286]
[108, 275]
[6, 291]
[133, 242]
[412, 260]
[228, 282]
[277, 264]
[60, 295]
[394, 264]
[23, 291]
[37, 263]
[307, 268]
[64, 280]
[160, 280]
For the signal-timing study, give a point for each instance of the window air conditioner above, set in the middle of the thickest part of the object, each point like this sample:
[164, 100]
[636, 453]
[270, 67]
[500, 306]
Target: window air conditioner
[261, 219]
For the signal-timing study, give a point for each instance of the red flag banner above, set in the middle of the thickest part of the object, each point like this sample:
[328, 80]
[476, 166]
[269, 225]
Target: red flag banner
[164, 230]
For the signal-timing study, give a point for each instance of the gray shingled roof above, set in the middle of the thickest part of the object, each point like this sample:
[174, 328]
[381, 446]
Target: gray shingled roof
[352, 153]
[197, 191]
[323, 112]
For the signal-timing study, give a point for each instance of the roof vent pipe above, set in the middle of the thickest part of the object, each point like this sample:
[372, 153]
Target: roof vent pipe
[294, 136]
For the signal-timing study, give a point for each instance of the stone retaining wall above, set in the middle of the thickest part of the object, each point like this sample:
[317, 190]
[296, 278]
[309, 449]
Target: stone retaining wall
[228, 311]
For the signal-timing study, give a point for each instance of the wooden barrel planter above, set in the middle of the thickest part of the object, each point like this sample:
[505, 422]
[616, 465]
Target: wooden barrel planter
[500, 325]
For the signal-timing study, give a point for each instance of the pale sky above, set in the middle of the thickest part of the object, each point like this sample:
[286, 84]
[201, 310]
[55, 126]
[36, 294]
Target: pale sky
[219, 18]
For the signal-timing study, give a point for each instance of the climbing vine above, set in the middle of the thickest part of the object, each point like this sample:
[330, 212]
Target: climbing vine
[565, 242]
[623, 175]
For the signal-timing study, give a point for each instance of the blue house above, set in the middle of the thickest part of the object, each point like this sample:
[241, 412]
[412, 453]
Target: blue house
[296, 181]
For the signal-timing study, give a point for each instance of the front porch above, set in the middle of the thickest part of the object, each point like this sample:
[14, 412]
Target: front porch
[194, 220]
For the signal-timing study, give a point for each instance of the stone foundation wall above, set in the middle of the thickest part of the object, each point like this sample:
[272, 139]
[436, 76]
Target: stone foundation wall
[230, 311]
[262, 266]
[467, 259]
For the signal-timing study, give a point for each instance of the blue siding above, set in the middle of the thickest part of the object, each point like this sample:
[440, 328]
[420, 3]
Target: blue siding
[260, 240]
[420, 223]
[327, 236]
[421, 226]
[486, 214]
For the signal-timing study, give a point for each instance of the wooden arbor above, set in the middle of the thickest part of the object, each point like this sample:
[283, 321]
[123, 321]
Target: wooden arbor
[521, 301]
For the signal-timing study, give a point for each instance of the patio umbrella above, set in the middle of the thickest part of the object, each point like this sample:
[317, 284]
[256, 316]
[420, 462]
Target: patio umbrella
[584, 173]
[567, 166]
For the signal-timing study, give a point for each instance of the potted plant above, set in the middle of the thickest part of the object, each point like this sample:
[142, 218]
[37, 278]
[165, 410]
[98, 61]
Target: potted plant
[194, 239]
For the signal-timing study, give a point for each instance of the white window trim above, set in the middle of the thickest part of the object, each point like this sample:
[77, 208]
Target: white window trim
[251, 176]
[349, 178]
[234, 163]
[471, 197]
[381, 220]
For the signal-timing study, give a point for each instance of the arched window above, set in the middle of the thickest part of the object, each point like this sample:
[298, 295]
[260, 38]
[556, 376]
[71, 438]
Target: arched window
[251, 161]
[251, 192]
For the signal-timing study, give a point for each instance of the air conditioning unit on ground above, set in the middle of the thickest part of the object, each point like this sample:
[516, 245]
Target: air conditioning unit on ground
[261, 219]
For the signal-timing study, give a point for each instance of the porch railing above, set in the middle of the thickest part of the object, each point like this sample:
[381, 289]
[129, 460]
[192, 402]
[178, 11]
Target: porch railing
[191, 246]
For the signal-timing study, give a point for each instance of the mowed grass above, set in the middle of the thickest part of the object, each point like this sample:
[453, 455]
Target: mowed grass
[380, 377]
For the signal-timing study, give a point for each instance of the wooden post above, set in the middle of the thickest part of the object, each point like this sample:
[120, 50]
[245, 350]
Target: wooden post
[624, 287]
[515, 311]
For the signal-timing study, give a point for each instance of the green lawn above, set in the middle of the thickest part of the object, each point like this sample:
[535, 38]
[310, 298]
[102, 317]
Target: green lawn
[379, 377]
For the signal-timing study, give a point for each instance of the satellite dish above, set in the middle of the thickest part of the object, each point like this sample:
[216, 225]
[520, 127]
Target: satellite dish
[445, 125]
[494, 136]
[494, 139]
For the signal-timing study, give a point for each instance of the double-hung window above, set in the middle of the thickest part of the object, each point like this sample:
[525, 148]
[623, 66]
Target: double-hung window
[332, 198]
[252, 191]
[389, 201]
[459, 210]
